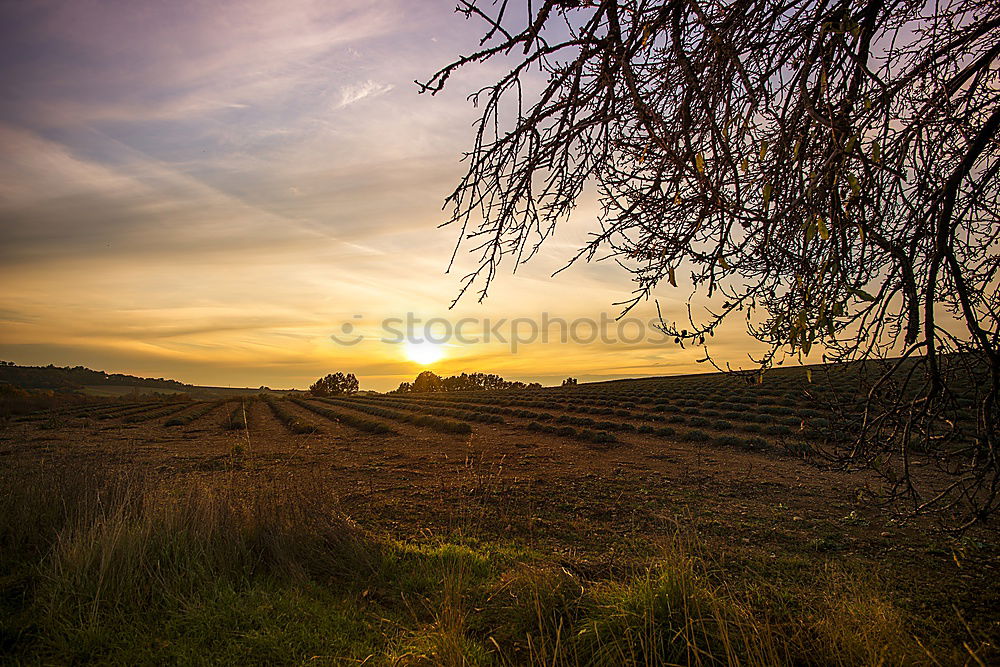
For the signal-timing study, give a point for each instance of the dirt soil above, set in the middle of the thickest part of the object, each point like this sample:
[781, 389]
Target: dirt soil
[597, 509]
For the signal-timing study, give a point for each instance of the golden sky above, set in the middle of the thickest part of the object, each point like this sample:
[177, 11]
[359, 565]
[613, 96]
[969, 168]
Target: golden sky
[208, 191]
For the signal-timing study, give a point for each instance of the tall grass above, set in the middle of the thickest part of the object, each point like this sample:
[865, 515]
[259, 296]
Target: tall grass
[119, 569]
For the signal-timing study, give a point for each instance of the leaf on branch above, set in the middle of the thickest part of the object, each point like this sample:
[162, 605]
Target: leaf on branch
[855, 186]
[699, 163]
[810, 231]
[863, 295]
[824, 232]
[671, 277]
[763, 149]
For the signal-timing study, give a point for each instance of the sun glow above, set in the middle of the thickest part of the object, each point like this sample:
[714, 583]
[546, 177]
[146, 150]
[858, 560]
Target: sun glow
[424, 353]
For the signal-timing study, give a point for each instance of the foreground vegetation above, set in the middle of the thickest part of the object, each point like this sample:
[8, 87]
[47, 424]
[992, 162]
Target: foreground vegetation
[121, 569]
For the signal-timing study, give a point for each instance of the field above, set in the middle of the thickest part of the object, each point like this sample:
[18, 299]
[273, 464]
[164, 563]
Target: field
[668, 520]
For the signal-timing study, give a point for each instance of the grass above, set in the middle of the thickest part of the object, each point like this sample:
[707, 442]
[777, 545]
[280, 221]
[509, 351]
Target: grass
[117, 569]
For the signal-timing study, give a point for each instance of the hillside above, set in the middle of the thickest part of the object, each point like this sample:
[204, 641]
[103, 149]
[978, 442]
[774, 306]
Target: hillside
[76, 377]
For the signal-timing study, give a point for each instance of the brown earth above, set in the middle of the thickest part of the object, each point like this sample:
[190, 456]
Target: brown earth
[596, 508]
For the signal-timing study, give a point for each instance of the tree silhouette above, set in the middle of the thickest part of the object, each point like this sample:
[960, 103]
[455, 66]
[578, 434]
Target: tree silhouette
[825, 171]
[427, 382]
[334, 384]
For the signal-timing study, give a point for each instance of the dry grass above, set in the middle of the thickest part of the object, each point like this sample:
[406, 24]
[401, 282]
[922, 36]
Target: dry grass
[119, 568]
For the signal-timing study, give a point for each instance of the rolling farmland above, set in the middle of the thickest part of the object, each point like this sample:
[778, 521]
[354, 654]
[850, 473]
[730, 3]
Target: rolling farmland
[594, 477]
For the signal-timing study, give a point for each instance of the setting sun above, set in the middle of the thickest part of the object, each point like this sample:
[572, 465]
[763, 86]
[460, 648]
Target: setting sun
[424, 353]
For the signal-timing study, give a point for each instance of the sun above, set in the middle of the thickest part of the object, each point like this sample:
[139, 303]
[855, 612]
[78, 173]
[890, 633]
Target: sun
[424, 353]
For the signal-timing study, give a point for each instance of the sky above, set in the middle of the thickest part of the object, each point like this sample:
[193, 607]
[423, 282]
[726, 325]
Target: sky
[209, 191]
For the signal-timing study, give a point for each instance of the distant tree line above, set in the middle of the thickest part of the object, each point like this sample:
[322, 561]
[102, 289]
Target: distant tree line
[431, 382]
[65, 377]
[335, 384]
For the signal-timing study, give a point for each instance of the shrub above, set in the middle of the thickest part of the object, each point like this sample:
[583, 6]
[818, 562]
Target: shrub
[601, 437]
[730, 441]
[696, 436]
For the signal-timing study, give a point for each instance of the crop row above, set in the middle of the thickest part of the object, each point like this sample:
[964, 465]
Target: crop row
[360, 423]
[783, 416]
[619, 408]
[750, 423]
[292, 422]
[187, 418]
[456, 413]
[237, 419]
[434, 423]
[130, 411]
[67, 411]
[119, 410]
[497, 410]
[164, 411]
[587, 435]
[567, 421]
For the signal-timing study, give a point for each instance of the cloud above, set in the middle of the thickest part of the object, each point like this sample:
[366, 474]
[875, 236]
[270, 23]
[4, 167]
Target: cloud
[208, 189]
[352, 93]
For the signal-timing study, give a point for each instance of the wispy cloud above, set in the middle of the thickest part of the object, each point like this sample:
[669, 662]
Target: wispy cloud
[356, 92]
[208, 189]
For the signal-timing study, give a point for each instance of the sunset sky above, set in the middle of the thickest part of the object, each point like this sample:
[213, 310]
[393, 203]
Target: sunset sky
[207, 191]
